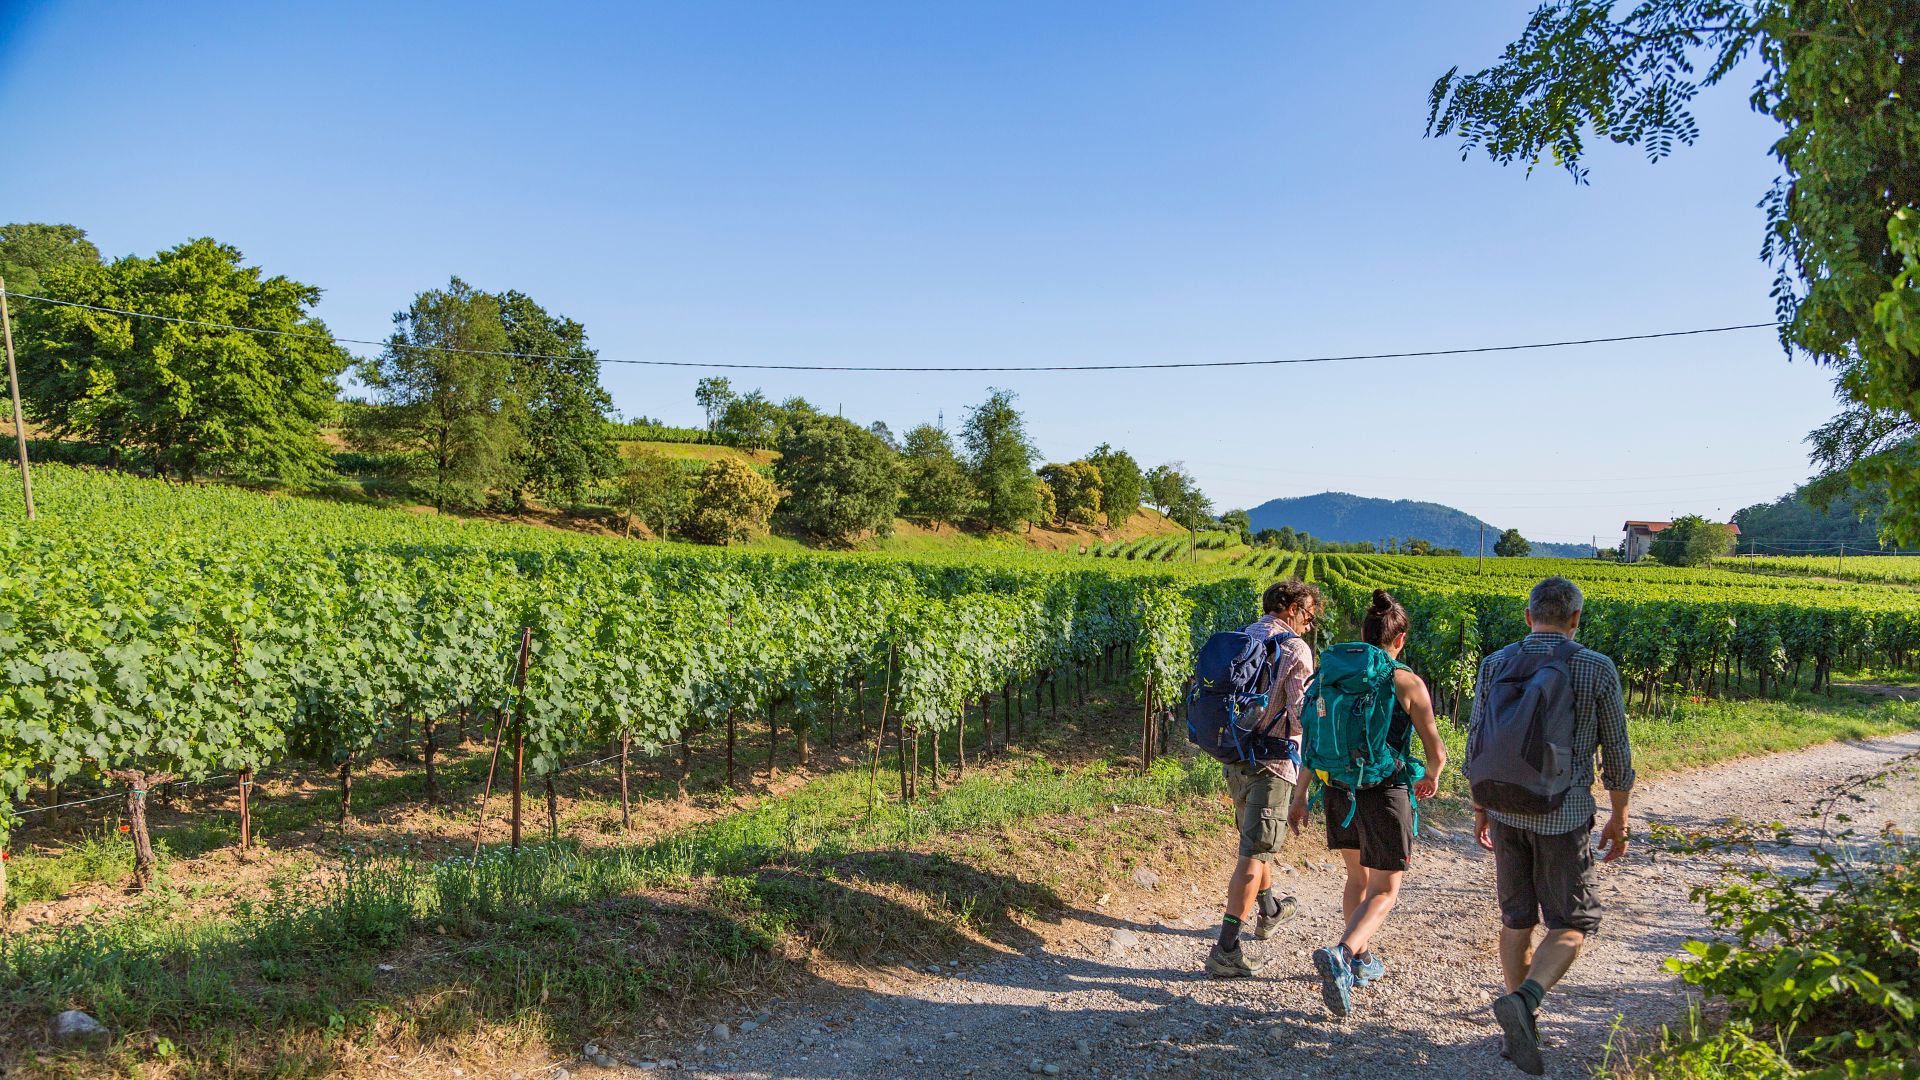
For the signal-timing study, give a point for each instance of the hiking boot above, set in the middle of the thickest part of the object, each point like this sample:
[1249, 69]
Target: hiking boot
[1366, 968]
[1517, 1030]
[1264, 926]
[1222, 964]
[1336, 980]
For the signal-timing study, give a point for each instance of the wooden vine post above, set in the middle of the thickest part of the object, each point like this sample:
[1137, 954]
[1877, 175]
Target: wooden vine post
[879, 736]
[1146, 728]
[626, 806]
[520, 724]
[730, 738]
[246, 811]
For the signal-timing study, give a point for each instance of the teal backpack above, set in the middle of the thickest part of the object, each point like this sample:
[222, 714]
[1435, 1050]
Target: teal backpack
[1347, 716]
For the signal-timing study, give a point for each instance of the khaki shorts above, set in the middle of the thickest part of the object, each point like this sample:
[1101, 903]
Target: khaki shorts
[1260, 808]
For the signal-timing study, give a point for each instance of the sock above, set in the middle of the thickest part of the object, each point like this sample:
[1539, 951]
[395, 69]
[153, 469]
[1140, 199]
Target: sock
[1362, 957]
[1531, 992]
[1346, 954]
[1229, 934]
[1268, 905]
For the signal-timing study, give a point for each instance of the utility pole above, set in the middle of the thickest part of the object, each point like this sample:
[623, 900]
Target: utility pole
[19, 418]
[1841, 563]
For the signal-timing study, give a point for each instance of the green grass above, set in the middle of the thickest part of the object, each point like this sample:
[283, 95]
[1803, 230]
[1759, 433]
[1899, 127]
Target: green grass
[561, 944]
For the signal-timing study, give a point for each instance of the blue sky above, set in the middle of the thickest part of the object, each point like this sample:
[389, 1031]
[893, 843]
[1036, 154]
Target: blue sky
[974, 184]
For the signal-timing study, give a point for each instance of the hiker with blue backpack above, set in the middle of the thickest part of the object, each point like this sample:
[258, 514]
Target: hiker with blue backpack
[1541, 709]
[1356, 734]
[1244, 710]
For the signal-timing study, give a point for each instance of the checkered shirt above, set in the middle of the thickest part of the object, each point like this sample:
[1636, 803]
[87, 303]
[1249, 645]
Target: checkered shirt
[1599, 722]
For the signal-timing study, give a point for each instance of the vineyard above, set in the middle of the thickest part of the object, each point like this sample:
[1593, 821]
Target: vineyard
[1700, 630]
[156, 633]
[1875, 569]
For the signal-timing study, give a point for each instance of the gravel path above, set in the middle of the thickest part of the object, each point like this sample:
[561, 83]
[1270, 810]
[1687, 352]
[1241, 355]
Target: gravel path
[1122, 993]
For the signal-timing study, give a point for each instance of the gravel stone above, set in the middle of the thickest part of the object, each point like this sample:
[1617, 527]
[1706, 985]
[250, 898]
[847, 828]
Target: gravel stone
[1132, 1004]
[76, 1028]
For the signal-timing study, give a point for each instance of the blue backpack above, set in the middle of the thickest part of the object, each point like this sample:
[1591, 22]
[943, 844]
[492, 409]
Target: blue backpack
[1232, 678]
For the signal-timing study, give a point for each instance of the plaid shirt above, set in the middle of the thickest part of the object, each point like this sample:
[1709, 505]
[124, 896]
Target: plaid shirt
[1294, 669]
[1599, 722]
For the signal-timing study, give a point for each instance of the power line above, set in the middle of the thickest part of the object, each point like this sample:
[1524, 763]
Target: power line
[1163, 366]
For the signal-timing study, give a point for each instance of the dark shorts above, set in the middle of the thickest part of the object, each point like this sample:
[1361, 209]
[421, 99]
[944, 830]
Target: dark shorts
[1545, 878]
[1381, 829]
[1260, 809]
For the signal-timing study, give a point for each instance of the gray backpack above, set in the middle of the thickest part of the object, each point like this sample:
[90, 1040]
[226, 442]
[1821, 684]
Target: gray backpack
[1520, 755]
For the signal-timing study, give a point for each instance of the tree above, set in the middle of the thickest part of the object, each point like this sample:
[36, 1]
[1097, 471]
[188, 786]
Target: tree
[885, 434]
[1288, 541]
[1045, 508]
[563, 449]
[1512, 545]
[1075, 487]
[750, 421]
[28, 250]
[1121, 483]
[936, 485]
[1691, 541]
[195, 398]
[1239, 522]
[655, 489]
[841, 480]
[1000, 461]
[1267, 538]
[1843, 219]
[1178, 495]
[454, 412]
[731, 502]
[1420, 547]
[713, 395]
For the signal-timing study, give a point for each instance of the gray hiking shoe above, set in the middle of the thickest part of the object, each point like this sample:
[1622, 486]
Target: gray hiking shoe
[1264, 926]
[1518, 1032]
[1231, 965]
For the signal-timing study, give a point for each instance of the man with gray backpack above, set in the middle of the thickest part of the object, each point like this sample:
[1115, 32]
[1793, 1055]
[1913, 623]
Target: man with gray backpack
[1541, 709]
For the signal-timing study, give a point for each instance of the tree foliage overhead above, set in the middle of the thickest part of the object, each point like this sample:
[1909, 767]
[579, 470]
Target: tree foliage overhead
[840, 479]
[1000, 461]
[1691, 541]
[448, 396]
[1843, 233]
[29, 249]
[192, 398]
[1076, 491]
[1121, 483]
[936, 487]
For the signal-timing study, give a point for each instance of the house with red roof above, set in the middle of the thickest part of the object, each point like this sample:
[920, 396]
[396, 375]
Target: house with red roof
[1640, 534]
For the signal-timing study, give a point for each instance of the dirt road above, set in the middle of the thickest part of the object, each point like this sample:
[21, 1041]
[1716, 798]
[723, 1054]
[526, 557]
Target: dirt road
[1124, 996]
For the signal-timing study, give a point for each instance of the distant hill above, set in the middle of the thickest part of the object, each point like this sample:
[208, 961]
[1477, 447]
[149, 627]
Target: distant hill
[1791, 524]
[1349, 519]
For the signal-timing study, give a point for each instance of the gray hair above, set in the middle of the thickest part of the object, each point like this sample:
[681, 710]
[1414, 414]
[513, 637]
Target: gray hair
[1555, 601]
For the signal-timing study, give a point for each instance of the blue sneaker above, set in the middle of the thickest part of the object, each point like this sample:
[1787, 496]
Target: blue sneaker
[1367, 967]
[1336, 980]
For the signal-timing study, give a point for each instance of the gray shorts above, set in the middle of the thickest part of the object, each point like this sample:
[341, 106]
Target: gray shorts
[1545, 878]
[1259, 809]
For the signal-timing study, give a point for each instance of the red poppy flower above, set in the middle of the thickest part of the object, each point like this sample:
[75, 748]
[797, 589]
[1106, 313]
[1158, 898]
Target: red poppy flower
[124, 828]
